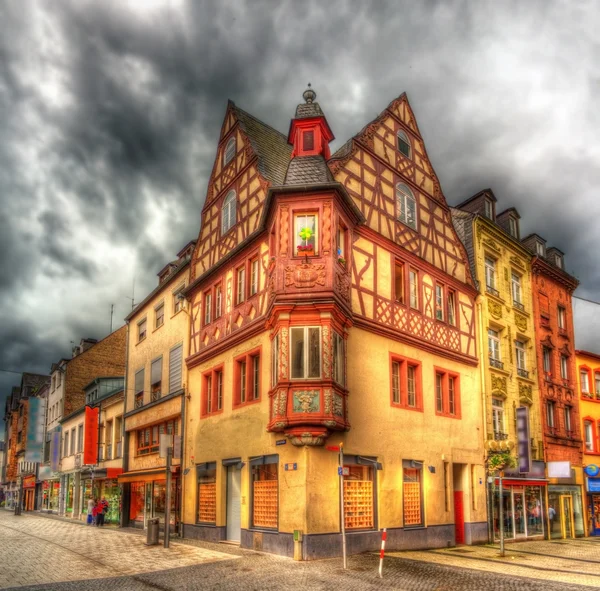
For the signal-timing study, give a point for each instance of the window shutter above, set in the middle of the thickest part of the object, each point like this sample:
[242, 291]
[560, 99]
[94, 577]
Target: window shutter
[139, 381]
[156, 371]
[175, 360]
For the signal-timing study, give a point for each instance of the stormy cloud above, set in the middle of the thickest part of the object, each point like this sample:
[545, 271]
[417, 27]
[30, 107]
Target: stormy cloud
[110, 113]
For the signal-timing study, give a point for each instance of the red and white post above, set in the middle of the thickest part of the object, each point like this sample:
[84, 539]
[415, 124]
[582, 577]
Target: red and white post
[382, 552]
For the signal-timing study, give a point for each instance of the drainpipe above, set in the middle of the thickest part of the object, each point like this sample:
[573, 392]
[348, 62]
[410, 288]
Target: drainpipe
[125, 487]
[488, 495]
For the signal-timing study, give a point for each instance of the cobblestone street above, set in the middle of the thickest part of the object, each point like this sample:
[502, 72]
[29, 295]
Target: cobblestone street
[43, 552]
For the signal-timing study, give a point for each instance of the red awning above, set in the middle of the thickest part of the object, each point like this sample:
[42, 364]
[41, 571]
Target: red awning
[147, 475]
[518, 482]
[113, 472]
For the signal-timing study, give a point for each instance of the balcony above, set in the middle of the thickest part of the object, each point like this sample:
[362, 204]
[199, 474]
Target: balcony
[496, 363]
[522, 373]
[489, 289]
[518, 306]
[500, 436]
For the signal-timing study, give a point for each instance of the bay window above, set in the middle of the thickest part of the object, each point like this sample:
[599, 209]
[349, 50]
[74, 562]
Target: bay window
[305, 234]
[338, 359]
[305, 352]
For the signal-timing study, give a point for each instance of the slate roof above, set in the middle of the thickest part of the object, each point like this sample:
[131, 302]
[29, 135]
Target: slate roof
[343, 150]
[305, 170]
[308, 110]
[31, 383]
[270, 145]
[463, 224]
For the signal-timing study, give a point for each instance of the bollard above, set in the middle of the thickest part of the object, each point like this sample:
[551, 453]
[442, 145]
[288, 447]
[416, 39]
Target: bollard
[297, 544]
[383, 539]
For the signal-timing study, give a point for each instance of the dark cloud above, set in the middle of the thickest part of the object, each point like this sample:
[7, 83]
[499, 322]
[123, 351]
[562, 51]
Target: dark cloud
[110, 112]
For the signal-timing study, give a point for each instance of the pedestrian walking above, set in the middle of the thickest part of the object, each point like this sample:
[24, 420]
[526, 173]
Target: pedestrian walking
[95, 513]
[551, 516]
[104, 504]
[90, 508]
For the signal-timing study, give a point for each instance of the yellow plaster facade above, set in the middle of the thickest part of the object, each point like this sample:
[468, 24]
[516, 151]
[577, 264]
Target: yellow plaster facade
[504, 379]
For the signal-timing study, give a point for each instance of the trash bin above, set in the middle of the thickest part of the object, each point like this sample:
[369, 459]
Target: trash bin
[152, 537]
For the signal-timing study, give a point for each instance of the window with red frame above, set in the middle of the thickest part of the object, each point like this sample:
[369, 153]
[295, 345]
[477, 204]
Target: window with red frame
[585, 379]
[406, 383]
[247, 379]
[447, 394]
[212, 392]
[207, 307]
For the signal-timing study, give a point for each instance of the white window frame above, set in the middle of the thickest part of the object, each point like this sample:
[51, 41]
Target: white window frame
[439, 302]
[404, 197]
[218, 301]
[301, 221]
[584, 378]
[305, 361]
[498, 415]
[494, 350]
[547, 359]
[539, 249]
[207, 307]
[588, 430]
[516, 288]
[229, 151]
[253, 276]
[564, 367]
[490, 272]
[488, 209]
[413, 281]
[240, 285]
[521, 355]
[550, 413]
[228, 212]
[562, 318]
[512, 227]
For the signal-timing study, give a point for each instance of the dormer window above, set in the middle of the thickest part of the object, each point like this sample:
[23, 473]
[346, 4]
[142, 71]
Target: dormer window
[229, 151]
[228, 212]
[513, 228]
[489, 209]
[308, 141]
[539, 249]
[403, 144]
[558, 261]
[406, 206]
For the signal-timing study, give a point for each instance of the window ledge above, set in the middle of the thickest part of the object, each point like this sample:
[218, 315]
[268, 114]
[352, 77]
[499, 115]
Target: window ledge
[140, 341]
[247, 403]
[157, 328]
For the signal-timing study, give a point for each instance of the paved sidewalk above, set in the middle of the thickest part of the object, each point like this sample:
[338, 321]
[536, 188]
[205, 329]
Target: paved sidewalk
[574, 561]
[39, 551]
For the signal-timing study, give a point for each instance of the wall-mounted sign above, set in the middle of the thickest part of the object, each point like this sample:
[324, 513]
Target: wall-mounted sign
[592, 470]
[559, 469]
[524, 443]
[593, 485]
[291, 467]
[343, 471]
[281, 442]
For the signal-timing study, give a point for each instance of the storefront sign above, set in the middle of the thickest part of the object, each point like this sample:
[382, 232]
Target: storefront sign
[35, 430]
[55, 450]
[593, 484]
[524, 444]
[90, 448]
[29, 482]
[559, 469]
[281, 442]
[592, 470]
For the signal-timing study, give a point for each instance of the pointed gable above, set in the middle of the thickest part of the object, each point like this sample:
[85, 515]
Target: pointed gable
[251, 156]
[387, 172]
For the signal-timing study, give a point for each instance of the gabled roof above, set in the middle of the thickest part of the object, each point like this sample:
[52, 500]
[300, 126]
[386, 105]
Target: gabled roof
[487, 192]
[270, 146]
[508, 212]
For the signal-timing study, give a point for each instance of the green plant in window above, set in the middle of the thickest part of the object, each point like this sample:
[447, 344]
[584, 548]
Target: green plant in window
[306, 234]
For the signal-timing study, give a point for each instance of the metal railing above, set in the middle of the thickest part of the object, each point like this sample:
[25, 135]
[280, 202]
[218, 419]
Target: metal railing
[518, 306]
[109, 452]
[496, 363]
[493, 291]
[500, 436]
[523, 373]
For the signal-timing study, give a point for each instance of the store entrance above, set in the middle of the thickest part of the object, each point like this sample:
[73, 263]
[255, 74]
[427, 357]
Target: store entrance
[234, 487]
[594, 515]
[567, 521]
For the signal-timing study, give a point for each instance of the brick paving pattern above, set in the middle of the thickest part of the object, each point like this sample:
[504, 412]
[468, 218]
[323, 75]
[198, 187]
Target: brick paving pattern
[42, 552]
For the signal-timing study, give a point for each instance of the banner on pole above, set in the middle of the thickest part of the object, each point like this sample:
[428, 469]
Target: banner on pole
[90, 439]
[35, 430]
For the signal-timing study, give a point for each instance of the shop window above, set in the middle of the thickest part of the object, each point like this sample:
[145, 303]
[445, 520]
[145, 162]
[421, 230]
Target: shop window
[240, 281]
[141, 330]
[413, 279]
[412, 493]
[305, 352]
[451, 300]
[253, 276]
[338, 359]
[399, 282]
[264, 491]
[139, 389]
[359, 496]
[247, 378]
[207, 307]
[136, 505]
[156, 379]
[447, 394]
[218, 301]
[207, 492]
[159, 313]
[406, 206]
[305, 234]
[406, 383]
[212, 392]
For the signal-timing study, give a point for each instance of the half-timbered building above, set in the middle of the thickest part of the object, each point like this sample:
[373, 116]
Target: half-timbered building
[332, 304]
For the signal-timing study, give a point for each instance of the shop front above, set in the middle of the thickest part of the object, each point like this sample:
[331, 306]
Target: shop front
[593, 499]
[565, 507]
[98, 486]
[147, 498]
[50, 496]
[29, 492]
[523, 508]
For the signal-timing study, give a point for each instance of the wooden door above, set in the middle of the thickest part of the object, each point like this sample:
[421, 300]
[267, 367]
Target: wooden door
[459, 517]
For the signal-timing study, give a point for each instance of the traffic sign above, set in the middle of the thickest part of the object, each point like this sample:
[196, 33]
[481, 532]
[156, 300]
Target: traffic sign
[343, 471]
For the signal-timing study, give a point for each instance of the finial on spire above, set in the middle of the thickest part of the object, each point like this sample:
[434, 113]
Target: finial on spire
[309, 95]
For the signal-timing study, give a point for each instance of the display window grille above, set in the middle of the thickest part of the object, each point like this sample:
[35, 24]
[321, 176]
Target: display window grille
[207, 492]
[412, 493]
[359, 497]
[265, 491]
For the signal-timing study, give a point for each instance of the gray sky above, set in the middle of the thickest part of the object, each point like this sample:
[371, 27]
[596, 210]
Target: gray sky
[110, 113]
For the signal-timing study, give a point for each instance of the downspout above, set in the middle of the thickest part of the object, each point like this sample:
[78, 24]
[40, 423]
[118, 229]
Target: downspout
[184, 400]
[125, 498]
[489, 497]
